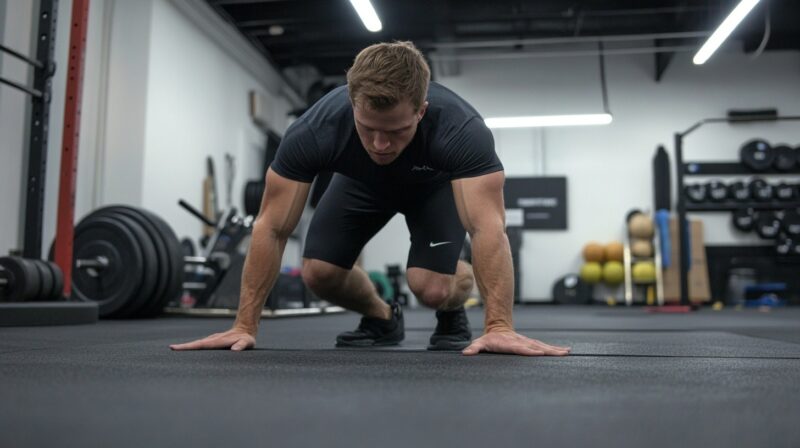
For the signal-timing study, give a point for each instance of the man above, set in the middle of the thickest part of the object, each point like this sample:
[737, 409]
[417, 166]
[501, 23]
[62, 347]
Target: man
[398, 143]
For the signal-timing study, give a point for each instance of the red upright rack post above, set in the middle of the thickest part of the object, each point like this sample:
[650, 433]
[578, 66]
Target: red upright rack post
[69, 149]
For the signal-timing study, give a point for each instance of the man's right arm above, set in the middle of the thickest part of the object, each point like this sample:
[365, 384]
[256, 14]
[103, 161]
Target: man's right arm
[281, 208]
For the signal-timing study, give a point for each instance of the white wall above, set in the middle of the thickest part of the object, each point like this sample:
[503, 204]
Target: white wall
[609, 167]
[197, 106]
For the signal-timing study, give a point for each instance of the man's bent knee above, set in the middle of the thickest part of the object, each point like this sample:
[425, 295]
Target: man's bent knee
[322, 276]
[433, 290]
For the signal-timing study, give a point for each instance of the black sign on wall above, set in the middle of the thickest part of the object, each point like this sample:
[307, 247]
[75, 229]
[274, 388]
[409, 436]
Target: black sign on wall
[536, 203]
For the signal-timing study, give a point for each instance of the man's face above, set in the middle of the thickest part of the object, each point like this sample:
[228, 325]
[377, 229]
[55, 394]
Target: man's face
[386, 133]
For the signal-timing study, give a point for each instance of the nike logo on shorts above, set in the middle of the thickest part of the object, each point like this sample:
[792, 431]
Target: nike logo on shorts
[439, 244]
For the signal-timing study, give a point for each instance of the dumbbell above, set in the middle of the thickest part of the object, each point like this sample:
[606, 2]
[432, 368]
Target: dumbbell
[717, 191]
[739, 191]
[785, 191]
[757, 155]
[745, 219]
[761, 190]
[797, 155]
[696, 192]
[23, 280]
[787, 245]
[784, 157]
[768, 224]
[791, 223]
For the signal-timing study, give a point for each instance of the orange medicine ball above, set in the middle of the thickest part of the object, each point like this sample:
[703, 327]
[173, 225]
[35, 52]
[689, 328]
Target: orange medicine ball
[614, 251]
[593, 252]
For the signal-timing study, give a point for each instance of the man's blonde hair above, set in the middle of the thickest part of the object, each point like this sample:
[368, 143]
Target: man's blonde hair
[385, 74]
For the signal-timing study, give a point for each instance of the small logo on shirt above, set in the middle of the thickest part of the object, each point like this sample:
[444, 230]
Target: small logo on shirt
[439, 244]
[422, 168]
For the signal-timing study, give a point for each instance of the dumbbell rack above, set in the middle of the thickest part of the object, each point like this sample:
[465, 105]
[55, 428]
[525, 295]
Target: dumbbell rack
[684, 169]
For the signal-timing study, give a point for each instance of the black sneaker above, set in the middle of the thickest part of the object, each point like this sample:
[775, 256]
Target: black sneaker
[374, 332]
[452, 332]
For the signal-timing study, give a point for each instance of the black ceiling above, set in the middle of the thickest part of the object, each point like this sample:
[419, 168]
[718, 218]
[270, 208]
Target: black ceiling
[327, 34]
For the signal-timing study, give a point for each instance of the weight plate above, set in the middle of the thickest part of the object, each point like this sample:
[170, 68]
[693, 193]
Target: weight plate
[784, 157]
[46, 281]
[159, 262]
[253, 191]
[58, 276]
[175, 268]
[113, 286]
[53, 293]
[21, 277]
[187, 246]
[757, 155]
[151, 270]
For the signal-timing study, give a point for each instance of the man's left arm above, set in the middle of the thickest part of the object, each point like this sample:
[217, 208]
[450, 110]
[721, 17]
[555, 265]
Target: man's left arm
[480, 207]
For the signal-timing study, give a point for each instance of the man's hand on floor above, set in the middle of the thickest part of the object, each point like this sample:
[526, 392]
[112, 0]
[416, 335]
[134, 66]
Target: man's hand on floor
[234, 339]
[508, 341]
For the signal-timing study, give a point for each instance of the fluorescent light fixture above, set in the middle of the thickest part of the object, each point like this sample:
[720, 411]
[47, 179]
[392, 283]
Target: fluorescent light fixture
[725, 29]
[368, 15]
[548, 120]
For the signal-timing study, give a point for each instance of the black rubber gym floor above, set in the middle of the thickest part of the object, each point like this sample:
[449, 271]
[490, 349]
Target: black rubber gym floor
[729, 378]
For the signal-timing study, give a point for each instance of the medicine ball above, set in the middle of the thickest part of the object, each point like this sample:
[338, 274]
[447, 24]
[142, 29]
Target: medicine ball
[614, 251]
[613, 273]
[641, 248]
[593, 252]
[571, 290]
[641, 226]
[644, 272]
[591, 272]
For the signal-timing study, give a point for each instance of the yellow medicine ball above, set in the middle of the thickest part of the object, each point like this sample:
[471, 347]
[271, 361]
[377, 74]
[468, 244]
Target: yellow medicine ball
[591, 272]
[613, 273]
[644, 272]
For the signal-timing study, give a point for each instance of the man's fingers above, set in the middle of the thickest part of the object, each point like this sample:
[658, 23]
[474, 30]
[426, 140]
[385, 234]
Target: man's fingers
[550, 349]
[241, 344]
[554, 352]
[194, 345]
[208, 343]
[527, 351]
[514, 343]
[473, 348]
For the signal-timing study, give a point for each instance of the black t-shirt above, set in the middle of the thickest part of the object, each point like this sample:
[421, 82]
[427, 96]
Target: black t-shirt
[451, 142]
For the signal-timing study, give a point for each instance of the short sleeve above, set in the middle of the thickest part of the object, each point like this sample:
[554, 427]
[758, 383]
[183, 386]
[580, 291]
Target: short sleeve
[298, 157]
[470, 152]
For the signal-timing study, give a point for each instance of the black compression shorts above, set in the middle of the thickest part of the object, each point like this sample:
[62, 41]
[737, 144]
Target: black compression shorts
[350, 214]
